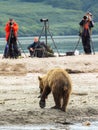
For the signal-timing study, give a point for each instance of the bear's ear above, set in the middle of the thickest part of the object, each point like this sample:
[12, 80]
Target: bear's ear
[39, 78]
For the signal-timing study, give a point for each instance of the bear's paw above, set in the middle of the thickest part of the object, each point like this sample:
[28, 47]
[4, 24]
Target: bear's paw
[42, 103]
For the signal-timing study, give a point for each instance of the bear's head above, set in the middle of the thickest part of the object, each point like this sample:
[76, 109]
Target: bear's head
[41, 85]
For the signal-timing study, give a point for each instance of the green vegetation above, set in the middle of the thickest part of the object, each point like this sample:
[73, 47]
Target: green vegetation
[64, 16]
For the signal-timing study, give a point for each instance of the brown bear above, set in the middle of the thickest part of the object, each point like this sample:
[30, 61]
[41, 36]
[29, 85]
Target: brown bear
[59, 83]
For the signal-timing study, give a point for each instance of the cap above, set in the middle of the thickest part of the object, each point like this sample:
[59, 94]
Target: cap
[36, 39]
[89, 13]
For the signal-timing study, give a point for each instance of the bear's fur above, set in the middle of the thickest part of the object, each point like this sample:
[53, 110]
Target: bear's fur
[59, 83]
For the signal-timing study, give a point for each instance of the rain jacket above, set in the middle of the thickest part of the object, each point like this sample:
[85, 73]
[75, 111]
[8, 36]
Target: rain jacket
[8, 28]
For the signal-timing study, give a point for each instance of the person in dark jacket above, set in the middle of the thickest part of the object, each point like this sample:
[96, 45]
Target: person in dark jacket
[86, 24]
[40, 49]
[33, 46]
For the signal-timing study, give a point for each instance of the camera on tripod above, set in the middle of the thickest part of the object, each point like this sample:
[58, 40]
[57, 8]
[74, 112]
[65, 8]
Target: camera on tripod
[43, 20]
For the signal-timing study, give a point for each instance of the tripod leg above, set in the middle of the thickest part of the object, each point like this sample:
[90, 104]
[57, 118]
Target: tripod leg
[22, 48]
[41, 33]
[92, 45]
[77, 43]
[54, 43]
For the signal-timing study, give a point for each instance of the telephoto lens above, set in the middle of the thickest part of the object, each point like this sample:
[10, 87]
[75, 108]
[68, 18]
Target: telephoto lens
[44, 20]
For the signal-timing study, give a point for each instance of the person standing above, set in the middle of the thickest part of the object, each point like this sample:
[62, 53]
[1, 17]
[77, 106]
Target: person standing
[11, 48]
[86, 24]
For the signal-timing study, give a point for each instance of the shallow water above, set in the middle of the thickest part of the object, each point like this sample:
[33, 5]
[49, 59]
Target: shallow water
[77, 126]
[34, 127]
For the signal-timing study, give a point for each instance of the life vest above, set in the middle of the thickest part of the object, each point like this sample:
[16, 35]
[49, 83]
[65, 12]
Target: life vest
[86, 28]
[86, 25]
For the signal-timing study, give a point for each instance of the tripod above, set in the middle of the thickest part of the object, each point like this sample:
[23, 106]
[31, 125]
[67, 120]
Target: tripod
[46, 31]
[91, 43]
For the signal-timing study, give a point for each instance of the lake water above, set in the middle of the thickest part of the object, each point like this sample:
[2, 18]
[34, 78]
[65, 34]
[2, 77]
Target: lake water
[59, 44]
[77, 126]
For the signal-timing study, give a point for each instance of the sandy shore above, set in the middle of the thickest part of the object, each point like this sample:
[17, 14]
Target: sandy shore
[19, 90]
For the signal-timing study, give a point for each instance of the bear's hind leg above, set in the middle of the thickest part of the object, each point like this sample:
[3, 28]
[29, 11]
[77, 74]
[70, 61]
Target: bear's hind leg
[65, 101]
[57, 101]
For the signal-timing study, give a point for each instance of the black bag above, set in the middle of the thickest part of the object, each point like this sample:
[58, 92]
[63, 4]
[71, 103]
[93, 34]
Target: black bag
[70, 53]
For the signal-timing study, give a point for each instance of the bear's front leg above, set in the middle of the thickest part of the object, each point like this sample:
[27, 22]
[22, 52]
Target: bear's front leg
[44, 95]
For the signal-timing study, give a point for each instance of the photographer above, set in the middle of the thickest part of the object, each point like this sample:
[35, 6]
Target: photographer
[39, 49]
[86, 24]
[11, 49]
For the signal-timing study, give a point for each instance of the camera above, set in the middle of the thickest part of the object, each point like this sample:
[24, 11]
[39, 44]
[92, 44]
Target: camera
[85, 17]
[11, 23]
[43, 20]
